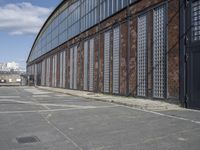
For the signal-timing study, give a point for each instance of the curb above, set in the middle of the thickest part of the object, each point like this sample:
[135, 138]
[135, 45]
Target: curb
[144, 107]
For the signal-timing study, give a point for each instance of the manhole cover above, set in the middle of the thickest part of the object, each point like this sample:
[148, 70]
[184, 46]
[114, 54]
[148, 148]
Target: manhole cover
[28, 139]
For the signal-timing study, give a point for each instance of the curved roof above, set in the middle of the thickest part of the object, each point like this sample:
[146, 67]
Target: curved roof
[72, 24]
[45, 23]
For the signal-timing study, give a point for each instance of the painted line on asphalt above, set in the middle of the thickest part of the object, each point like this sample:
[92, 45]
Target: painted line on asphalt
[192, 110]
[164, 115]
[62, 133]
[2, 97]
[53, 110]
[46, 104]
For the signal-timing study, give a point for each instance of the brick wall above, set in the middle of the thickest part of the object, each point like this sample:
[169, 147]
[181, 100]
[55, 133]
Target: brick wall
[128, 78]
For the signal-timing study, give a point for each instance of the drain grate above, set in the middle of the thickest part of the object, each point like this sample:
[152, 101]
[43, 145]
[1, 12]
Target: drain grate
[28, 139]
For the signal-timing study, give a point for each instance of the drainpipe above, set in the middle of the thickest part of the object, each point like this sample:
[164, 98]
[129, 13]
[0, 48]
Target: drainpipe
[182, 53]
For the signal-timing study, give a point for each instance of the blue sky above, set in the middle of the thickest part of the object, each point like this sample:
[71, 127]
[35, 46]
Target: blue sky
[20, 21]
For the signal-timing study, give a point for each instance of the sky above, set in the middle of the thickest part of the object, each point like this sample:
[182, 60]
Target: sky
[20, 21]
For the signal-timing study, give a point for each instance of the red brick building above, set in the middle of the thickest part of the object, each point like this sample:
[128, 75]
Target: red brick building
[121, 47]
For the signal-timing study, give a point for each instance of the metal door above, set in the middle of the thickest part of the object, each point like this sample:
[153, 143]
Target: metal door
[193, 54]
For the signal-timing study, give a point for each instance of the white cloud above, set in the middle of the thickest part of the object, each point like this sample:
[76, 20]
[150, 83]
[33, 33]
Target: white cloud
[22, 18]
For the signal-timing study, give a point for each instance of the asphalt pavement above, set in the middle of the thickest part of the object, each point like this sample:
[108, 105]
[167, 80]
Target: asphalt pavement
[35, 119]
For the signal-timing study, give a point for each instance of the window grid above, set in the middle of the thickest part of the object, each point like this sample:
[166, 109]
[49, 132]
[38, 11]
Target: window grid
[142, 56]
[116, 59]
[107, 62]
[159, 51]
[86, 65]
[196, 20]
[43, 72]
[91, 78]
[73, 67]
[76, 18]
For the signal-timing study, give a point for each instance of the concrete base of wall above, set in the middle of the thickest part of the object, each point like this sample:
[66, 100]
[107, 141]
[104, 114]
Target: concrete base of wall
[147, 104]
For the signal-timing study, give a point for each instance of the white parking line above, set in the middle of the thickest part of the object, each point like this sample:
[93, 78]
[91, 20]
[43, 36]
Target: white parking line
[53, 110]
[36, 91]
[46, 104]
[62, 133]
[2, 97]
[164, 115]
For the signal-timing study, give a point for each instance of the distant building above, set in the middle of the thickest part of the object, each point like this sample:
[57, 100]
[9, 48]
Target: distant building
[10, 74]
[8, 66]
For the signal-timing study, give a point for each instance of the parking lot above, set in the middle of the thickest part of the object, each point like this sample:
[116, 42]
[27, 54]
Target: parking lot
[33, 119]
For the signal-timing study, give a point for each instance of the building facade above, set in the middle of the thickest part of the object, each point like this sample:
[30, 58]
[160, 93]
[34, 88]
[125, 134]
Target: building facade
[122, 47]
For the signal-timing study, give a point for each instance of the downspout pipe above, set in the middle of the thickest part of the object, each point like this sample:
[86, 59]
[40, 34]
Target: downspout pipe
[182, 54]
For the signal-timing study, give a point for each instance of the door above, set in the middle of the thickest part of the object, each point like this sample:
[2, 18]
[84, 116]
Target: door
[193, 54]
